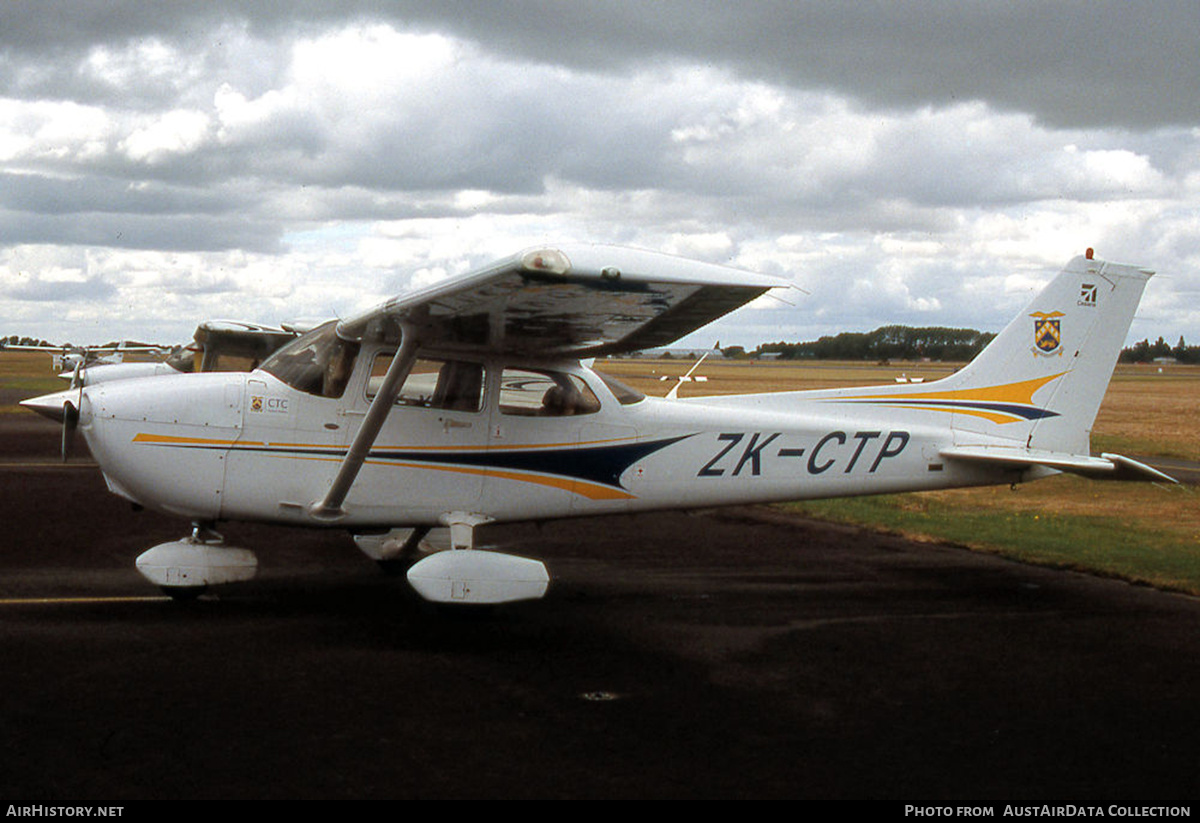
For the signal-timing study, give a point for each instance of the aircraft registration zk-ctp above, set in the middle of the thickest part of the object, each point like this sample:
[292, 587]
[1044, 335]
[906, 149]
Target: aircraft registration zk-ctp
[470, 402]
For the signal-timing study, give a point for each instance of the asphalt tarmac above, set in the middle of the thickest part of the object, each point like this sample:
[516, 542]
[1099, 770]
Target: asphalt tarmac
[723, 654]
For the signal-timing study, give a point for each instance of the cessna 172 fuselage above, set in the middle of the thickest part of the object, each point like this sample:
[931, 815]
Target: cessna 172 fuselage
[470, 403]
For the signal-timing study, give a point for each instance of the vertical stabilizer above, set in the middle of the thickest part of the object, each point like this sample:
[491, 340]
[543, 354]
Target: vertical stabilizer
[1051, 365]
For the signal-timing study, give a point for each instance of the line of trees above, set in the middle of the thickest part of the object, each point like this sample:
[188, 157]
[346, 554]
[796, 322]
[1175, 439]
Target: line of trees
[932, 343]
[1147, 352]
[884, 343]
[17, 340]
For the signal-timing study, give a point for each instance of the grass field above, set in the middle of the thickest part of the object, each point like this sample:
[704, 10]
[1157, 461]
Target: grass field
[26, 374]
[1142, 532]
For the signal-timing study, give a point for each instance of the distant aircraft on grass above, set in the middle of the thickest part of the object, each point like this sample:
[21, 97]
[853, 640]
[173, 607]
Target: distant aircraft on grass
[469, 403]
[68, 359]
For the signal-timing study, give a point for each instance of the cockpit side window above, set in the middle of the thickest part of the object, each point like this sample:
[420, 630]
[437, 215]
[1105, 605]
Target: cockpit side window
[543, 393]
[454, 385]
[318, 363]
[626, 395]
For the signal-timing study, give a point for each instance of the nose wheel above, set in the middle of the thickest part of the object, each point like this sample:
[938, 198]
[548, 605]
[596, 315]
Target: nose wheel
[184, 569]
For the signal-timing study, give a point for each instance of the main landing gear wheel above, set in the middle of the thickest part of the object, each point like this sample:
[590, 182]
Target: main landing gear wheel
[183, 594]
[395, 568]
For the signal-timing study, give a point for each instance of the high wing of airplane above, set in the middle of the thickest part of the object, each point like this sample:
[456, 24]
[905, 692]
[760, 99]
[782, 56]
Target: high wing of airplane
[469, 403]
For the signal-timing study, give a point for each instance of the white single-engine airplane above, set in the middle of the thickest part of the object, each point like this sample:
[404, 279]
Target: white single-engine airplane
[468, 403]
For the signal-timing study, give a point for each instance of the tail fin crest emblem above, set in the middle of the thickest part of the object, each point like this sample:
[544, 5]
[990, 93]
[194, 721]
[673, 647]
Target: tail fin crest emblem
[1047, 332]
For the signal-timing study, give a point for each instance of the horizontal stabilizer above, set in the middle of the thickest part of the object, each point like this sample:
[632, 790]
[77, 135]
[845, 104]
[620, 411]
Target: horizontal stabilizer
[1105, 467]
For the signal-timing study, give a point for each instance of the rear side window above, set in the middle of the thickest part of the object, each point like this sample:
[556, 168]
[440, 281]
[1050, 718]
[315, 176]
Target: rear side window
[538, 393]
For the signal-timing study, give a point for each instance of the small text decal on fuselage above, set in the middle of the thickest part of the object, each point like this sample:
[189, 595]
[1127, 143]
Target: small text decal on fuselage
[268, 405]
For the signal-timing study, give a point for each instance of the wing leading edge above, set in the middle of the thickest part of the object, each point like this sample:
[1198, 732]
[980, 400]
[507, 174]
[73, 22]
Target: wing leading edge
[571, 300]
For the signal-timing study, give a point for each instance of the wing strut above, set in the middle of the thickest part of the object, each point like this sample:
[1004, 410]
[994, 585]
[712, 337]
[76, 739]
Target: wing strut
[330, 507]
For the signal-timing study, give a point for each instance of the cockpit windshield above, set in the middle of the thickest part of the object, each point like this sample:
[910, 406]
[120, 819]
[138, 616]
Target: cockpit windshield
[318, 363]
[183, 359]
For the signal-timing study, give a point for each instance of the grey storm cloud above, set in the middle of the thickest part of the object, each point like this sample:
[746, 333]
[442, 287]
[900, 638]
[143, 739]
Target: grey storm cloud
[1071, 63]
[131, 231]
[53, 291]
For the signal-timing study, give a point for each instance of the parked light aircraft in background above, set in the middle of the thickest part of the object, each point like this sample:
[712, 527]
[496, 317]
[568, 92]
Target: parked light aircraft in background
[469, 403]
[69, 360]
[218, 345]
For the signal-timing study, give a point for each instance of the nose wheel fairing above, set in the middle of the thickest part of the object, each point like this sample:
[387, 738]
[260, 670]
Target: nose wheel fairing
[188, 566]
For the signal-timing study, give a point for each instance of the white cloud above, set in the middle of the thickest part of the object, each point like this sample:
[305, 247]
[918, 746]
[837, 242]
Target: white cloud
[173, 133]
[139, 62]
[51, 134]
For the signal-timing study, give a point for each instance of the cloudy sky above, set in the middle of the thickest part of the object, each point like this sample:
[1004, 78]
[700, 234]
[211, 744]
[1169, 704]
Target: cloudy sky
[926, 163]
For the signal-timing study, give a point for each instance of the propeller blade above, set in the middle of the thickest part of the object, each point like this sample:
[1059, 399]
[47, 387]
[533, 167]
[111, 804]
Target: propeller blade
[70, 420]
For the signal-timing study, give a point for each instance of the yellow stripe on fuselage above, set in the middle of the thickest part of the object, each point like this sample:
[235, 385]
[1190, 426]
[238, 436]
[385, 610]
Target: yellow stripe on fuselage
[172, 440]
[1021, 392]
